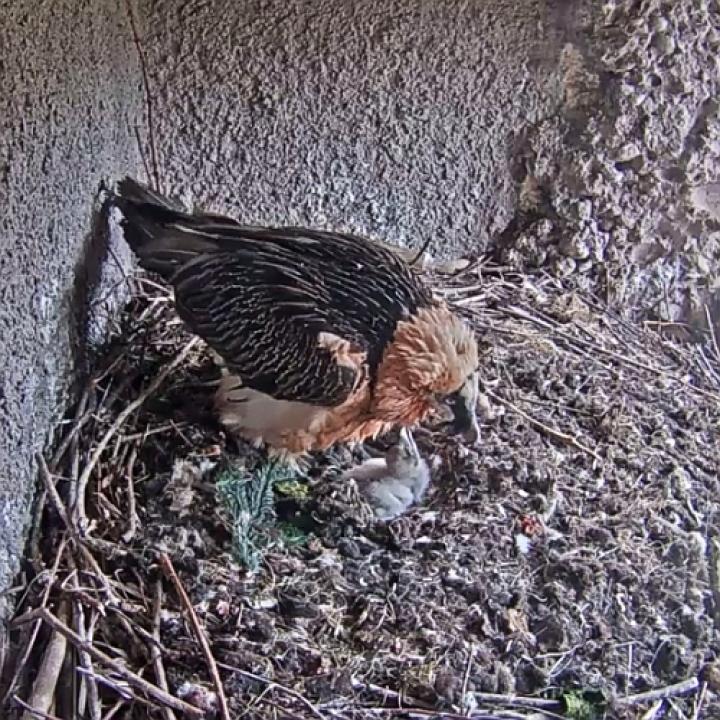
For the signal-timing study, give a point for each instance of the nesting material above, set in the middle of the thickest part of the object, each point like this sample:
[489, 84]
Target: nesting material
[599, 445]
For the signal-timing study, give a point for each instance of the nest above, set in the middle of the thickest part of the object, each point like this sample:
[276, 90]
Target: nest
[565, 567]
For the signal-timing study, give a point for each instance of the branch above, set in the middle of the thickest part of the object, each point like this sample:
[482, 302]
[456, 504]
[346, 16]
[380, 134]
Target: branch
[152, 691]
[663, 693]
[169, 571]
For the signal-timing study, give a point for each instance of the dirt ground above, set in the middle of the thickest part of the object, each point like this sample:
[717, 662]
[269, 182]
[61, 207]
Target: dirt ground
[564, 567]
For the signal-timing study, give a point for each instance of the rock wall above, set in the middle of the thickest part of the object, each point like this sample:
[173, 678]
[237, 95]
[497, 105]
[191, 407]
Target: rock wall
[621, 186]
[394, 119]
[69, 100]
[576, 136]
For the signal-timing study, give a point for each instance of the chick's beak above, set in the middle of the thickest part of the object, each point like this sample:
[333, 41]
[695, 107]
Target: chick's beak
[408, 441]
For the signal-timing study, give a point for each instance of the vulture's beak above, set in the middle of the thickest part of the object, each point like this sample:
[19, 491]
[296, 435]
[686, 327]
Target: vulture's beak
[461, 405]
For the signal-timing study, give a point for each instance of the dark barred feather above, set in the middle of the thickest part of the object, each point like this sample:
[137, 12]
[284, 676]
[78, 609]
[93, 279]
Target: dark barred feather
[261, 296]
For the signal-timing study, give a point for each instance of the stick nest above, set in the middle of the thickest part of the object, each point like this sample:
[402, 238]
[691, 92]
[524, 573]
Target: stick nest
[566, 566]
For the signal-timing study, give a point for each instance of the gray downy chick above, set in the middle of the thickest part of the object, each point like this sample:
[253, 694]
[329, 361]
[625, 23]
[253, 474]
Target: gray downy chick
[390, 485]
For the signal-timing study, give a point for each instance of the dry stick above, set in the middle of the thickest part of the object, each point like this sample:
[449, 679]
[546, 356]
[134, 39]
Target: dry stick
[169, 571]
[517, 701]
[713, 336]
[714, 573]
[466, 676]
[79, 510]
[54, 494]
[388, 694]
[79, 420]
[148, 97]
[419, 712]
[33, 712]
[663, 693]
[272, 685]
[125, 694]
[138, 139]
[421, 252]
[43, 691]
[60, 508]
[155, 653]
[129, 534]
[699, 701]
[152, 691]
[92, 697]
[569, 439]
[119, 705]
[38, 623]
[653, 710]
[519, 312]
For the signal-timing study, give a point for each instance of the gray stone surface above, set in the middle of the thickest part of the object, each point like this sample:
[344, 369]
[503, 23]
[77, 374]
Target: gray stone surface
[631, 164]
[392, 119]
[417, 120]
[69, 97]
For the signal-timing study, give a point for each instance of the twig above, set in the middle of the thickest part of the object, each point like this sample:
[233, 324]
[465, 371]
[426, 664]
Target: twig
[518, 701]
[38, 623]
[72, 530]
[663, 693]
[52, 491]
[653, 710]
[623, 360]
[515, 701]
[143, 157]
[420, 712]
[466, 675]
[699, 701]
[93, 698]
[33, 712]
[79, 419]
[421, 252]
[155, 653]
[569, 439]
[79, 510]
[43, 691]
[272, 685]
[152, 691]
[148, 96]
[125, 694]
[388, 694]
[711, 328]
[129, 534]
[714, 573]
[114, 710]
[169, 571]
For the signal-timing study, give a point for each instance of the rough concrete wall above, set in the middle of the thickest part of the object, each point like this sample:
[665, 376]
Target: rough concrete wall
[578, 136]
[390, 119]
[69, 99]
[630, 169]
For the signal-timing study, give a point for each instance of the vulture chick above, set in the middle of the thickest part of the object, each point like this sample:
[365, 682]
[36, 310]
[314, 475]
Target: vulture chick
[390, 485]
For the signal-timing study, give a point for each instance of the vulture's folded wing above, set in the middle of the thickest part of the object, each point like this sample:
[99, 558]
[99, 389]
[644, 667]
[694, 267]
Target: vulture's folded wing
[272, 324]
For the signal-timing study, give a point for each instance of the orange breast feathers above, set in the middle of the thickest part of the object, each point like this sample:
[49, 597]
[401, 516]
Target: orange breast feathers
[430, 355]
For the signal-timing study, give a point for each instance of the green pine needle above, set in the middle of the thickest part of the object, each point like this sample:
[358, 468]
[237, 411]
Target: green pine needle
[248, 500]
[578, 706]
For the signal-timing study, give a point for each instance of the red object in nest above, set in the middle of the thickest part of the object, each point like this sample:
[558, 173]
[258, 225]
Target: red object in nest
[530, 525]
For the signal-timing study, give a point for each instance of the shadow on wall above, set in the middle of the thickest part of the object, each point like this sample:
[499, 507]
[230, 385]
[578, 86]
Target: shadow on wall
[100, 284]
